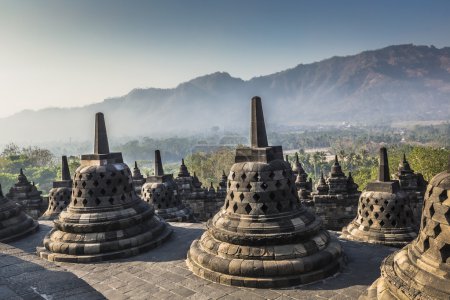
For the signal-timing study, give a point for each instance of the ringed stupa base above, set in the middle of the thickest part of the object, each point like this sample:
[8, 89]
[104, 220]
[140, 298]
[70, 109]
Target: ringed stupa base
[14, 223]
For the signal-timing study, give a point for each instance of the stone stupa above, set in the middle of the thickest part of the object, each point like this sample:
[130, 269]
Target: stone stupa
[263, 236]
[384, 214]
[161, 191]
[421, 270]
[336, 198]
[59, 195]
[14, 223]
[138, 179]
[105, 218]
[26, 194]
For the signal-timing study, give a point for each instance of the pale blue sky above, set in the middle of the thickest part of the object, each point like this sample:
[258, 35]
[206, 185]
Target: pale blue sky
[72, 53]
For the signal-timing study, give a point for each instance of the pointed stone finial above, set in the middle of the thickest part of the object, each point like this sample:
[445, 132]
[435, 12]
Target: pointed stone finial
[404, 157]
[158, 164]
[182, 161]
[223, 173]
[383, 170]
[296, 158]
[258, 127]
[135, 165]
[336, 160]
[21, 172]
[287, 158]
[65, 173]
[212, 186]
[101, 139]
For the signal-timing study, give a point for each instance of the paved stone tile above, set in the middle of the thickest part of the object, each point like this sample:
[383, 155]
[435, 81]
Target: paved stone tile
[162, 274]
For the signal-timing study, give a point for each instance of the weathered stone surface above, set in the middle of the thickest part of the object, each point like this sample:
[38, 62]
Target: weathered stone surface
[14, 223]
[105, 218]
[263, 237]
[336, 198]
[385, 215]
[59, 195]
[162, 274]
[161, 191]
[421, 270]
[27, 195]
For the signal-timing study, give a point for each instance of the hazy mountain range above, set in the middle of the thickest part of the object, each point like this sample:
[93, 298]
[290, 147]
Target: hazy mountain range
[396, 83]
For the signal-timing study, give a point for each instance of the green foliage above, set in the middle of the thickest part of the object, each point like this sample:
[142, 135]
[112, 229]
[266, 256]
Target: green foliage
[209, 166]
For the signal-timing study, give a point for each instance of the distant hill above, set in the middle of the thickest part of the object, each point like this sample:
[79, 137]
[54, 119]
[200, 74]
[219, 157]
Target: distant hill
[396, 83]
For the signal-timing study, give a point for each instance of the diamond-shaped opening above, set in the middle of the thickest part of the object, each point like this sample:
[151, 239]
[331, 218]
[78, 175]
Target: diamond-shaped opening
[84, 202]
[366, 214]
[123, 197]
[272, 175]
[238, 185]
[424, 222]
[386, 202]
[437, 230]
[394, 223]
[111, 200]
[229, 184]
[90, 192]
[233, 175]
[235, 207]
[426, 244]
[376, 215]
[367, 200]
[264, 186]
[249, 186]
[256, 176]
[363, 206]
[445, 253]
[241, 196]
[256, 197]
[114, 190]
[75, 202]
[430, 192]
[279, 206]
[83, 184]
[278, 184]
[248, 208]
[243, 176]
[382, 209]
[232, 195]
[103, 192]
[381, 223]
[443, 196]
[264, 208]
[370, 222]
[108, 182]
[227, 204]
[376, 201]
[80, 176]
[432, 210]
[371, 208]
[388, 215]
[101, 174]
[79, 193]
[95, 183]
[98, 201]
[272, 195]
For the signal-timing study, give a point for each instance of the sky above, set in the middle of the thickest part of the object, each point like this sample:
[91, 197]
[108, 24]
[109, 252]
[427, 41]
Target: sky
[72, 53]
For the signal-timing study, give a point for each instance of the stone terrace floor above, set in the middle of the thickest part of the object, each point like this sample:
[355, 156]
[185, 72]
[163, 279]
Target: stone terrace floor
[161, 273]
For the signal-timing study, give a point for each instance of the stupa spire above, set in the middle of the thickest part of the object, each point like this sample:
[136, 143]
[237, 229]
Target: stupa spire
[158, 164]
[383, 170]
[101, 145]
[258, 127]
[65, 173]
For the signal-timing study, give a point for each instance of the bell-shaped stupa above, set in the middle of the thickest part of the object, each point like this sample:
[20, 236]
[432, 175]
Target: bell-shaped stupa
[384, 214]
[14, 223]
[263, 236]
[161, 191]
[105, 218]
[421, 270]
[59, 195]
[26, 194]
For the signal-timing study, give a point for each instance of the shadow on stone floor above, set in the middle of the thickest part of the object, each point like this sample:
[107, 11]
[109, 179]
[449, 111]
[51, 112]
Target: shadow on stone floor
[28, 280]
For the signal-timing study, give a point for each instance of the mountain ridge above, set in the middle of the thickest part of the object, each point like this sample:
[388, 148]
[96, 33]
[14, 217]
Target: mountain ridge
[395, 83]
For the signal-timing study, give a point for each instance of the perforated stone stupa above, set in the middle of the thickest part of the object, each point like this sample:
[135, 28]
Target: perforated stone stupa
[384, 215]
[26, 194]
[14, 223]
[336, 198]
[421, 270]
[138, 179]
[59, 195]
[161, 191]
[105, 218]
[263, 237]
[304, 187]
